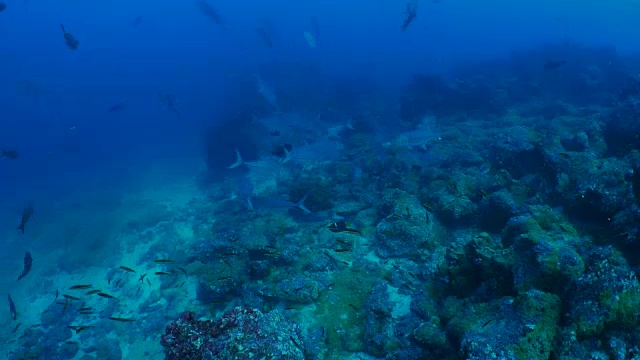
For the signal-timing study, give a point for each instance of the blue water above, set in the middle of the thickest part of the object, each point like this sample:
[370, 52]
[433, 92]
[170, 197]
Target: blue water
[125, 148]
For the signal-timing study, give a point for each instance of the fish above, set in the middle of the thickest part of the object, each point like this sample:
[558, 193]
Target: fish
[28, 261]
[264, 35]
[70, 297]
[239, 162]
[27, 212]
[552, 65]
[10, 154]
[127, 269]
[267, 92]
[282, 151]
[163, 261]
[162, 273]
[117, 107]
[209, 12]
[70, 40]
[311, 40]
[80, 287]
[266, 202]
[83, 328]
[92, 292]
[12, 307]
[341, 226]
[106, 296]
[170, 102]
[141, 279]
[3, 6]
[411, 13]
[487, 323]
[121, 319]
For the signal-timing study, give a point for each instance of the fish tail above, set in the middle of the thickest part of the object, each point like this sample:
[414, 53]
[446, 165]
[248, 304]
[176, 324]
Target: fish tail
[300, 205]
[21, 228]
[238, 162]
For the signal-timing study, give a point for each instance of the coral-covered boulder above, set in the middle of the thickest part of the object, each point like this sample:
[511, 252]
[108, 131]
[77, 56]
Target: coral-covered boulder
[241, 333]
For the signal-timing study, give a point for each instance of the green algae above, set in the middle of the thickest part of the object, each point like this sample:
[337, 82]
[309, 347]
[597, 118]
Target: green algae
[541, 315]
[339, 310]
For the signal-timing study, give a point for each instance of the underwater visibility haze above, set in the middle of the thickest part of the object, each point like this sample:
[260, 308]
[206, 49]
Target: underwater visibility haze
[380, 179]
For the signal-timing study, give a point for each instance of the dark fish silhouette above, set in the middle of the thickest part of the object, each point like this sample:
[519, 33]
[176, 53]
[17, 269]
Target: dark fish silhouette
[28, 261]
[2, 6]
[72, 42]
[10, 154]
[117, 107]
[12, 307]
[551, 65]
[341, 226]
[26, 215]
[170, 102]
[412, 11]
[209, 11]
[264, 35]
[137, 21]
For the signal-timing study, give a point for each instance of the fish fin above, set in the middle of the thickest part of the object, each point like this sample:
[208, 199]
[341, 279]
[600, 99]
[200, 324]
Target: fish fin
[250, 204]
[238, 162]
[349, 124]
[300, 205]
[287, 156]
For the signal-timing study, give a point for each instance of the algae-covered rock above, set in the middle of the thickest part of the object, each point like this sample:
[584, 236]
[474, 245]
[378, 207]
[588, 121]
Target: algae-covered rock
[606, 296]
[520, 328]
[407, 228]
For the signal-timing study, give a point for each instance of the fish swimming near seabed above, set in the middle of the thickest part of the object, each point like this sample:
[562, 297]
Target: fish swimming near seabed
[28, 261]
[267, 202]
[12, 307]
[27, 212]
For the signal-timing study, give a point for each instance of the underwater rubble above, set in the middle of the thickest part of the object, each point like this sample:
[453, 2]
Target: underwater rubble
[494, 215]
[499, 221]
